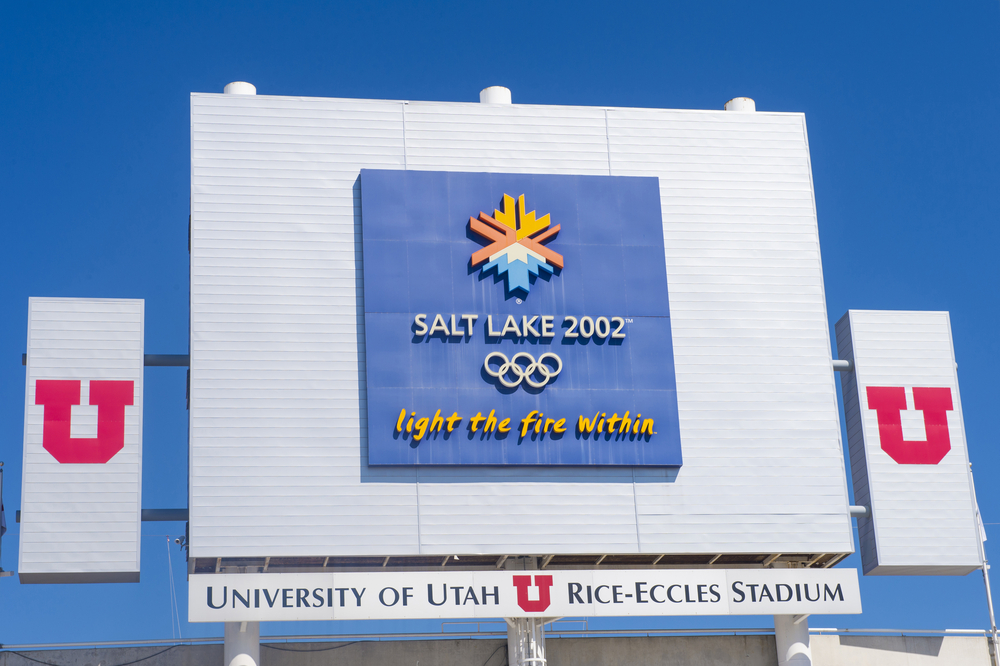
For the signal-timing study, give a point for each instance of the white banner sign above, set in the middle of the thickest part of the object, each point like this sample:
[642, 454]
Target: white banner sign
[82, 484]
[908, 453]
[490, 594]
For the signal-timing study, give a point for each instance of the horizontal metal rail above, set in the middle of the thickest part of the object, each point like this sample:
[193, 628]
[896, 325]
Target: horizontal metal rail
[164, 515]
[147, 515]
[167, 360]
[902, 632]
[181, 515]
[184, 360]
[151, 360]
[340, 638]
[451, 635]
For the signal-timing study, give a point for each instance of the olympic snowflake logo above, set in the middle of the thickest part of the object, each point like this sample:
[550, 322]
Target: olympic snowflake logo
[515, 250]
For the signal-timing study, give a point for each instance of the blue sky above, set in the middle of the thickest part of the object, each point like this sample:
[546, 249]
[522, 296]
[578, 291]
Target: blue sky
[900, 99]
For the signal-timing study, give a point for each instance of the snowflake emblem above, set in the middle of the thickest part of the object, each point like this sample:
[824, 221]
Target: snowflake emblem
[515, 250]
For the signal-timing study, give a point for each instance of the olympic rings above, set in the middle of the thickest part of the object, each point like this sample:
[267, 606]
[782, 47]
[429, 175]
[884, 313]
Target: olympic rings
[525, 373]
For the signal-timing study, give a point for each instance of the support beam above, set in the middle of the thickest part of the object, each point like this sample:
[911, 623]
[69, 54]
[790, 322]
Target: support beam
[167, 360]
[834, 560]
[770, 560]
[525, 641]
[184, 360]
[147, 515]
[164, 515]
[815, 558]
[791, 638]
[242, 644]
[151, 360]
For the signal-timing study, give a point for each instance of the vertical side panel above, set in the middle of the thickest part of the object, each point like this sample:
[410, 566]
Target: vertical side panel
[81, 492]
[907, 444]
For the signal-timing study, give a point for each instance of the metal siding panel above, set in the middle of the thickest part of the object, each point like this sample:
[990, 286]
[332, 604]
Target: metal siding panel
[763, 467]
[276, 329]
[81, 520]
[511, 139]
[276, 336]
[923, 515]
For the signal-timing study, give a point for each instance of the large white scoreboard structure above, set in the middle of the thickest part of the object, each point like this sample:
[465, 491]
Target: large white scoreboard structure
[279, 361]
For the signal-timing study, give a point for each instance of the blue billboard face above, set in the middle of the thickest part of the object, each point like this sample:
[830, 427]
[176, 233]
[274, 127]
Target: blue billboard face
[516, 320]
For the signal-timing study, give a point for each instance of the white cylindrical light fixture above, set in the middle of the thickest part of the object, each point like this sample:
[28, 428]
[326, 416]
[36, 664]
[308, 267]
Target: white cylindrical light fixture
[494, 95]
[741, 105]
[240, 88]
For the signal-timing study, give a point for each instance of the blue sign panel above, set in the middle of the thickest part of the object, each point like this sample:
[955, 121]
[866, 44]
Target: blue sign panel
[516, 320]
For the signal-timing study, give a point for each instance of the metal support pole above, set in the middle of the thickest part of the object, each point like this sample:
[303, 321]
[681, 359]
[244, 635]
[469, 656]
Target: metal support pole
[1, 512]
[3, 521]
[986, 571]
[791, 638]
[242, 644]
[525, 641]
[989, 602]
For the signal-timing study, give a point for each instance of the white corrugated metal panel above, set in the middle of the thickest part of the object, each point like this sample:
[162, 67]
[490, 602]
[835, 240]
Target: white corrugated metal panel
[508, 139]
[755, 388]
[277, 388]
[923, 508]
[80, 514]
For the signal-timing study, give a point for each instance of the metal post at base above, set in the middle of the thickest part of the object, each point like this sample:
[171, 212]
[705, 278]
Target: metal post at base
[994, 638]
[791, 638]
[242, 644]
[525, 641]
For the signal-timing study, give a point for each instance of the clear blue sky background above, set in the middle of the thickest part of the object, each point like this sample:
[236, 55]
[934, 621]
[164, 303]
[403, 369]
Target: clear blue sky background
[901, 101]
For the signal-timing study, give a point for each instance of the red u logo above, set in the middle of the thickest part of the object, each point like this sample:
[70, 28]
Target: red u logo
[522, 583]
[59, 395]
[935, 403]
